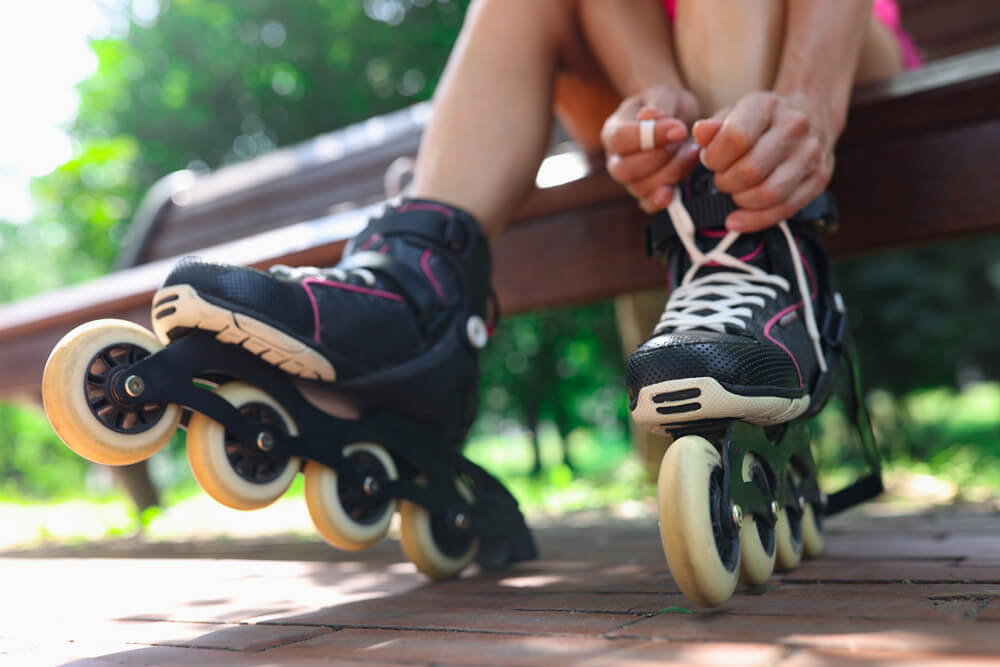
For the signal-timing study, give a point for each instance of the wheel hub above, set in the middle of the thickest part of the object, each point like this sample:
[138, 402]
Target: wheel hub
[361, 502]
[106, 380]
[257, 463]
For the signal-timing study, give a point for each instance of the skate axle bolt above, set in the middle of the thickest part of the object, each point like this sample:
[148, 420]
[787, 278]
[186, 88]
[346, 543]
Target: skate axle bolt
[265, 441]
[462, 521]
[775, 508]
[134, 386]
[370, 486]
[737, 515]
[802, 503]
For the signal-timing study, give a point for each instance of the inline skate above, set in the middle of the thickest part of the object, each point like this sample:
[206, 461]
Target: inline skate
[363, 376]
[747, 349]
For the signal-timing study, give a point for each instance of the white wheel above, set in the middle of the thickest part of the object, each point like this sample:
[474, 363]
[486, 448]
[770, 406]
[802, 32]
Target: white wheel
[788, 538]
[241, 477]
[348, 518]
[427, 541]
[79, 401]
[757, 548]
[703, 561]
[812, 532]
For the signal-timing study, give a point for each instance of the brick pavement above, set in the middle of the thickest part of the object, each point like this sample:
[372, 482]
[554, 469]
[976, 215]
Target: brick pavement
[894, 590]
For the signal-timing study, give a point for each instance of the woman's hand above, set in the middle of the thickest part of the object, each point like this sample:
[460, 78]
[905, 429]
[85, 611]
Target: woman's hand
[773, 154]
[651, 174]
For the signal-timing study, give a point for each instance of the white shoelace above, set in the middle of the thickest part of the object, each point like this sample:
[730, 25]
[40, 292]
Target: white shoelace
[341, 275]
[720, 298]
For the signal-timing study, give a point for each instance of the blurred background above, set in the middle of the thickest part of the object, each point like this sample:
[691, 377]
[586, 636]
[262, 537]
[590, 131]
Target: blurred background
[104, 97]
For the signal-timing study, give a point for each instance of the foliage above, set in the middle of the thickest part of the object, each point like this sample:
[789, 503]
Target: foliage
[210, 82]
[563, 366]
[33, 462]
[926, 317]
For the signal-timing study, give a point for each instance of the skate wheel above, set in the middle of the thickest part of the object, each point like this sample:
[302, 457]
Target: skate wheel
[757, 544]
[812, 532]
[234, 474]
[703, 560]
[79, 403]
[349, 518]
[431, 543]
[788, 537]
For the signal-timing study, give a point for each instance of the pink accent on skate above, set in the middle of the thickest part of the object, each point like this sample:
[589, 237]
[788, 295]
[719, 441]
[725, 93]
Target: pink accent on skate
[767, 332]
[814, 286]
[344, 286]
[712, 233]
[744, 258]
[426, 266]
[374, 238]
[424, 206]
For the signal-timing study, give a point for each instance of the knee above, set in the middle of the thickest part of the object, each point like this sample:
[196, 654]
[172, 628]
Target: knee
[558, 17]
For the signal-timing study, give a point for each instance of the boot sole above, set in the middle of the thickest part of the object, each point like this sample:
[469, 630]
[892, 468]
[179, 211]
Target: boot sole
[672, 402]
[180, 306]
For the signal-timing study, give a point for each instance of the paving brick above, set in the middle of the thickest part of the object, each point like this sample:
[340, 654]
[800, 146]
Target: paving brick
[168, 656]
[828, 569]
[399, 612]
[902, 545]
[893, 590]
[451, 647]
[877, 658]
[935, 637]
[886, 601]
[610, 602]
[659, 652]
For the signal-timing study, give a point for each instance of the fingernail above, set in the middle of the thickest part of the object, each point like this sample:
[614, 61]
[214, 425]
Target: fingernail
[662, 195]
[701, 158]
[676, 134]
[734, 224]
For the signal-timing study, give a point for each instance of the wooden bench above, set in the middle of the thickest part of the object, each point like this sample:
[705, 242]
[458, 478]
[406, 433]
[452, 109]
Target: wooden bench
[917, 165]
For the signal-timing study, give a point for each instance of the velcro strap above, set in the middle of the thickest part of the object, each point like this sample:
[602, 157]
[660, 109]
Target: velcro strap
[410, 282]
[427, 224]
[711, 211]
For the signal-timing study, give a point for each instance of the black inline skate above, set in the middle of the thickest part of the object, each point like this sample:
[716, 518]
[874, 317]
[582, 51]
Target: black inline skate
[746, 349]
[364, 376]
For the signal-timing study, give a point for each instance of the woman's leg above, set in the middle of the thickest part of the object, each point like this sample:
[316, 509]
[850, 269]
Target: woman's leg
[728, 49]
[514, 61]
[493, 108]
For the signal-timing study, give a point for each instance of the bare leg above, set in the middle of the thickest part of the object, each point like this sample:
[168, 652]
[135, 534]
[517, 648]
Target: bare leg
[493, 108]
[513, 62]
[727, 49]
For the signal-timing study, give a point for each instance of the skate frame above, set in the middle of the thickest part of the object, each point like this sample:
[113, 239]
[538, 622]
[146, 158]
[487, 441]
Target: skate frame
[177, 374]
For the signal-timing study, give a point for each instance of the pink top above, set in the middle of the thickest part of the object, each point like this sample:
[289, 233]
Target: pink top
[886, 11]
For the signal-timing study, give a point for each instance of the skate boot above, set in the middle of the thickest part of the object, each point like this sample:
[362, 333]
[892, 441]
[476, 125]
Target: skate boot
[747, 346]
[364, 375]
[409, 299]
